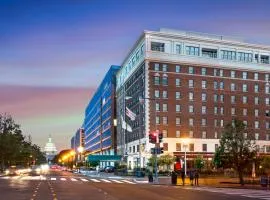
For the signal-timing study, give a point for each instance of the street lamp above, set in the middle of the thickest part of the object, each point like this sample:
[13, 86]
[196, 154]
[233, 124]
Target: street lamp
[185, 145]
[80, 150]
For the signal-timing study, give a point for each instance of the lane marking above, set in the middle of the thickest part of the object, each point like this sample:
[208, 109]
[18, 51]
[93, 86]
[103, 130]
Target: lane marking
[84, 180]
[116, 181]
[63, 179]
[126, 181]
[53, 179]
[73, 179]
[107, 181]
[95, 180]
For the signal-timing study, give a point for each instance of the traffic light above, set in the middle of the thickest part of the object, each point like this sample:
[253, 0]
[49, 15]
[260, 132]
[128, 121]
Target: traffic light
[152, 138]
[160, 137]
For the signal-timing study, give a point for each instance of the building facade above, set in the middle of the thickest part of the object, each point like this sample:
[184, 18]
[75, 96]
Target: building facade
[100, 117]
[50, 150]
[192, 85]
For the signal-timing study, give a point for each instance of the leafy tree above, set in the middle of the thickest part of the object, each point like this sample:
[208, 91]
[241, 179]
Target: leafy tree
[166, 160]
[266, 164]
[199, 162]
[237, 148]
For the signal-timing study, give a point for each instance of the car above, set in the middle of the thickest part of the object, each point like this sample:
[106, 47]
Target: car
[109, 169]
[11, 171]
[35, 170]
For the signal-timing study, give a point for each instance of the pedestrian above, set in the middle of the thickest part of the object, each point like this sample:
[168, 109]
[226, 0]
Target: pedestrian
[191, 177]
[183, 177]
[196, 176]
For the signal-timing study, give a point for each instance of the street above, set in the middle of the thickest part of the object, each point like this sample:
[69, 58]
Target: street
[58, 185]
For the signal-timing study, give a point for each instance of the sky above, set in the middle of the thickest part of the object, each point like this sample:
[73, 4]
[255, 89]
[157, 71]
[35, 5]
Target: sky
[54, 54]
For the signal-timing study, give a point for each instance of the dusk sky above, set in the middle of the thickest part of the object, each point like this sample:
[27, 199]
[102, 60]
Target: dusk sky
[53, 54]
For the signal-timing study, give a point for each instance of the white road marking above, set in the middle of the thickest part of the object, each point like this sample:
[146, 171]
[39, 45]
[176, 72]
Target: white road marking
[107, 181]
[53, 179]
[73, 179]
[126, 181]
[63, 179]
[95, 180]
[84, 180]
[5, 177]
[116, 181]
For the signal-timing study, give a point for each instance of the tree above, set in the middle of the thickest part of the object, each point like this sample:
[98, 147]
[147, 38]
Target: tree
[266, 164]
[199, 162]
[237, 148]
[166, 160]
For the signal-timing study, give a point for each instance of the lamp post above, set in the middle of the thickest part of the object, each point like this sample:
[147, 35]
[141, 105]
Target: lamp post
[185, 145]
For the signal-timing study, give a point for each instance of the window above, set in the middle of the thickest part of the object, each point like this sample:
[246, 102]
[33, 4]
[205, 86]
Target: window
[138, 148]
[204, 134]
[191, 135]
[233, 88]
[178, 49]
[165, 120]
[232, 99]
[178, 146]
[228, 55]
[267, 101]
[133, 149]
[256, 124]
[215, 85]
[177, 95]
[157, 120]
[165, 133]
[164, 68]
[215, 122]
[222, 110]
[233, 111]
[256, 112]
[165, 107]
[190, 70]
[267, 137]
[256, 136]
[177, 82]
[216, 147]
[156, 93]
[244, 75]
[203, 122]
[190, 109]
[165, 146]
[256, 100]
[244, 99]
[157, 46]
[232, 74]
[215, 110]
[177, 108]
[244, 87]
[178, 134]
[191, 147]
[266, 77]
[164, 94]
[156, 67]
[267, 125]
[245, 57]
[190, 83]
[244, 111]
[203, 96]
[190, 96]
[157, 107]
[256, 88]
[204, 147]
[178, 121]
[256, 76]
[267, 89]
[203, 71]
[215, 72]
[190, 50]
[221, 123]
[203, 84]
[177, 68]
[221, 85]
[215, 135]
[164, 80]
[156, 80]
[203, 109]
[221, 72]
[190, 122]
[221, 97]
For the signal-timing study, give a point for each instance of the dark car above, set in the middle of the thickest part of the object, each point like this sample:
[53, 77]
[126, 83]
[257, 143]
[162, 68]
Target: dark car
[109, 169]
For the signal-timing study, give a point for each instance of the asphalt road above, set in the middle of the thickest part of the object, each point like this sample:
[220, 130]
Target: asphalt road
[58, 185]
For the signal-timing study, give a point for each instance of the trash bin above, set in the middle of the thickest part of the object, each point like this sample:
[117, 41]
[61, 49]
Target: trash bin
[264, 181]
[174, 178]
[150, 178]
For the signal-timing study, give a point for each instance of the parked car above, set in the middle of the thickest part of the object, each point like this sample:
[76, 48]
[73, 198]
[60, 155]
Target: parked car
[109, 169]
[35, 170]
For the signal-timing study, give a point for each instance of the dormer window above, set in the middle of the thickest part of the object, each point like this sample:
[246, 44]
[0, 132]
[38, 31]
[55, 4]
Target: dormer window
[157, 46]
[209, 53]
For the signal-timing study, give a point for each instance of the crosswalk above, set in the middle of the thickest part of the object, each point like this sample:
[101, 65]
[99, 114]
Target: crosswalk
[251, 193]
[68, 179]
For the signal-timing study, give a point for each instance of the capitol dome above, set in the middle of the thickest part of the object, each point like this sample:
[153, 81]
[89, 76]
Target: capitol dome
[50, 149]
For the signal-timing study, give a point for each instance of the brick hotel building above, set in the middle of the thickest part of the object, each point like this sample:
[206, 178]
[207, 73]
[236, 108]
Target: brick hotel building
[192, 84]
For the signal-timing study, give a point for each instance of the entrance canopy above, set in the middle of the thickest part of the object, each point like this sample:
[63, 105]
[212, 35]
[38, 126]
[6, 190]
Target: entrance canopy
[103, 158]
